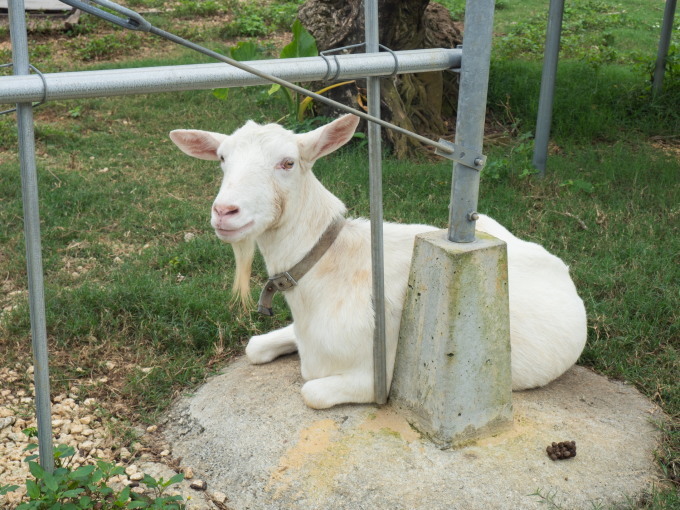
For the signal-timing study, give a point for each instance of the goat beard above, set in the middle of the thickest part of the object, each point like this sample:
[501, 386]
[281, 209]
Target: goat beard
[244, 252]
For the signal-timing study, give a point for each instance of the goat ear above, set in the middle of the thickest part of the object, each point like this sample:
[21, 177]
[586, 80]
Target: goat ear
[199, 144]
[328, 138]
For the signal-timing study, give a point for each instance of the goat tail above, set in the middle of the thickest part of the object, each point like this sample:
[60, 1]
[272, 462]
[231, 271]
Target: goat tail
[244, 252]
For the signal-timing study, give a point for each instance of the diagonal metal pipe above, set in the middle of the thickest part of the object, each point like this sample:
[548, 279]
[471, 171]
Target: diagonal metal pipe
[134, 21]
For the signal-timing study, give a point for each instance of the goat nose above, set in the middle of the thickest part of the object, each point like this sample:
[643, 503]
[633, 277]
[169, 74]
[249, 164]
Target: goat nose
[225, 210]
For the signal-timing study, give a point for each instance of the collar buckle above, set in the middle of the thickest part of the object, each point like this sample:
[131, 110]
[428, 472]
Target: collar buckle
[283, 281]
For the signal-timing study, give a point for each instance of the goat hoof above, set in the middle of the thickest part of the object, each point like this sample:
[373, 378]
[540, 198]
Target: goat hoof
[257, 355]
[314, 396]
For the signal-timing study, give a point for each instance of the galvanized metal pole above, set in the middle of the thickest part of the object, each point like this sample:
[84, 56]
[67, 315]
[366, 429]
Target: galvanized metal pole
[29, 190]
[474, 81]
[545, 100]
[664, 45]
[375, 189]
[150, 80]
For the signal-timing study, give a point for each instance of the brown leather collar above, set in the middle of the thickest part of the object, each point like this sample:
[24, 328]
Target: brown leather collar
[289, 279]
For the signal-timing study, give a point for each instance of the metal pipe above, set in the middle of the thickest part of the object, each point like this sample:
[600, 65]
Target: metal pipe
[264, 77]
[134, 21]
[376, 214]
[29, 191]
[474, 81]
[295, 88]
[664, 45]
[545, 100]
[148, 80]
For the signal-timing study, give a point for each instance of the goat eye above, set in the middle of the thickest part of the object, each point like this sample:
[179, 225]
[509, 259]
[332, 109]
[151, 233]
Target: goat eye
[222, 159]
[287, 164]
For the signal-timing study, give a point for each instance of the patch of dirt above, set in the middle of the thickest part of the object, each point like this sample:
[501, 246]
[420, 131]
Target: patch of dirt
[76, 266]
[668, 144]
[55, 49]
[10, 296]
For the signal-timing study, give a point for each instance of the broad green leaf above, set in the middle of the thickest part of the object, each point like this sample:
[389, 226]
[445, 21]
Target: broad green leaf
[85, 502]
[30, 432]
[221, 93]
[69, 506]
[245, 50]
[104, 466]
[274, 89]
[4, 489]
[287, 95]
[63, 451]
[118, 470]
[138, 504]
[143, 498]
[32, 489]
[36, 470]
[96, 476]
[175, 479]
[302, 45]
[72, 493]
[104, 491]
[50, 481]
[30, 446]
[61, 474]
[149, 481]
[81, 472]
[124, 495]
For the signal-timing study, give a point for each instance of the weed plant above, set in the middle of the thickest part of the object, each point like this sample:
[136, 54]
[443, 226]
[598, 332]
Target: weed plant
[257, 19]
[88, 486]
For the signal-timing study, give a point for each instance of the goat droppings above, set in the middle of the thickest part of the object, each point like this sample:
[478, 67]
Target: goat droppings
[562, 450]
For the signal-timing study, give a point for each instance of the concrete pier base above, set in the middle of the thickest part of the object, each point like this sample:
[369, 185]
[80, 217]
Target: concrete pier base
[249, 435]
[452, 374]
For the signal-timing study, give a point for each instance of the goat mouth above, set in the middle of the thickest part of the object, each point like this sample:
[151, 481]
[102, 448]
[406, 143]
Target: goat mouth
[230, 234]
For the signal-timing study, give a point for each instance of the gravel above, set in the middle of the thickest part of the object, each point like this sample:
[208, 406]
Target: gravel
[78, 422]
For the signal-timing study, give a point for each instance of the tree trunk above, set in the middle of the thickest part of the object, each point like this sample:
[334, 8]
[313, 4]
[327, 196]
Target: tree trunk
[425, 102]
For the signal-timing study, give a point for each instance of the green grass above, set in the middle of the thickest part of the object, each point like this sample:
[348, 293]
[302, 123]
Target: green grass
[133, 197]
[125, 283]
[630, 27]
[172, 295]
[605, 104]
[117, 200]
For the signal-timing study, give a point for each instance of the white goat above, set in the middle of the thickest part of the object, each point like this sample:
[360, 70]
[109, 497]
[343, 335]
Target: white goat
[270, 196]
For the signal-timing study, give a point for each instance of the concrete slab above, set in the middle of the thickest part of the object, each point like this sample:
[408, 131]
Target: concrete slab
[248, 433]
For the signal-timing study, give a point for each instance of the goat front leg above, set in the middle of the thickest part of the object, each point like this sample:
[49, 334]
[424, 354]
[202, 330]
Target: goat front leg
[267, 347]
[325, 392]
